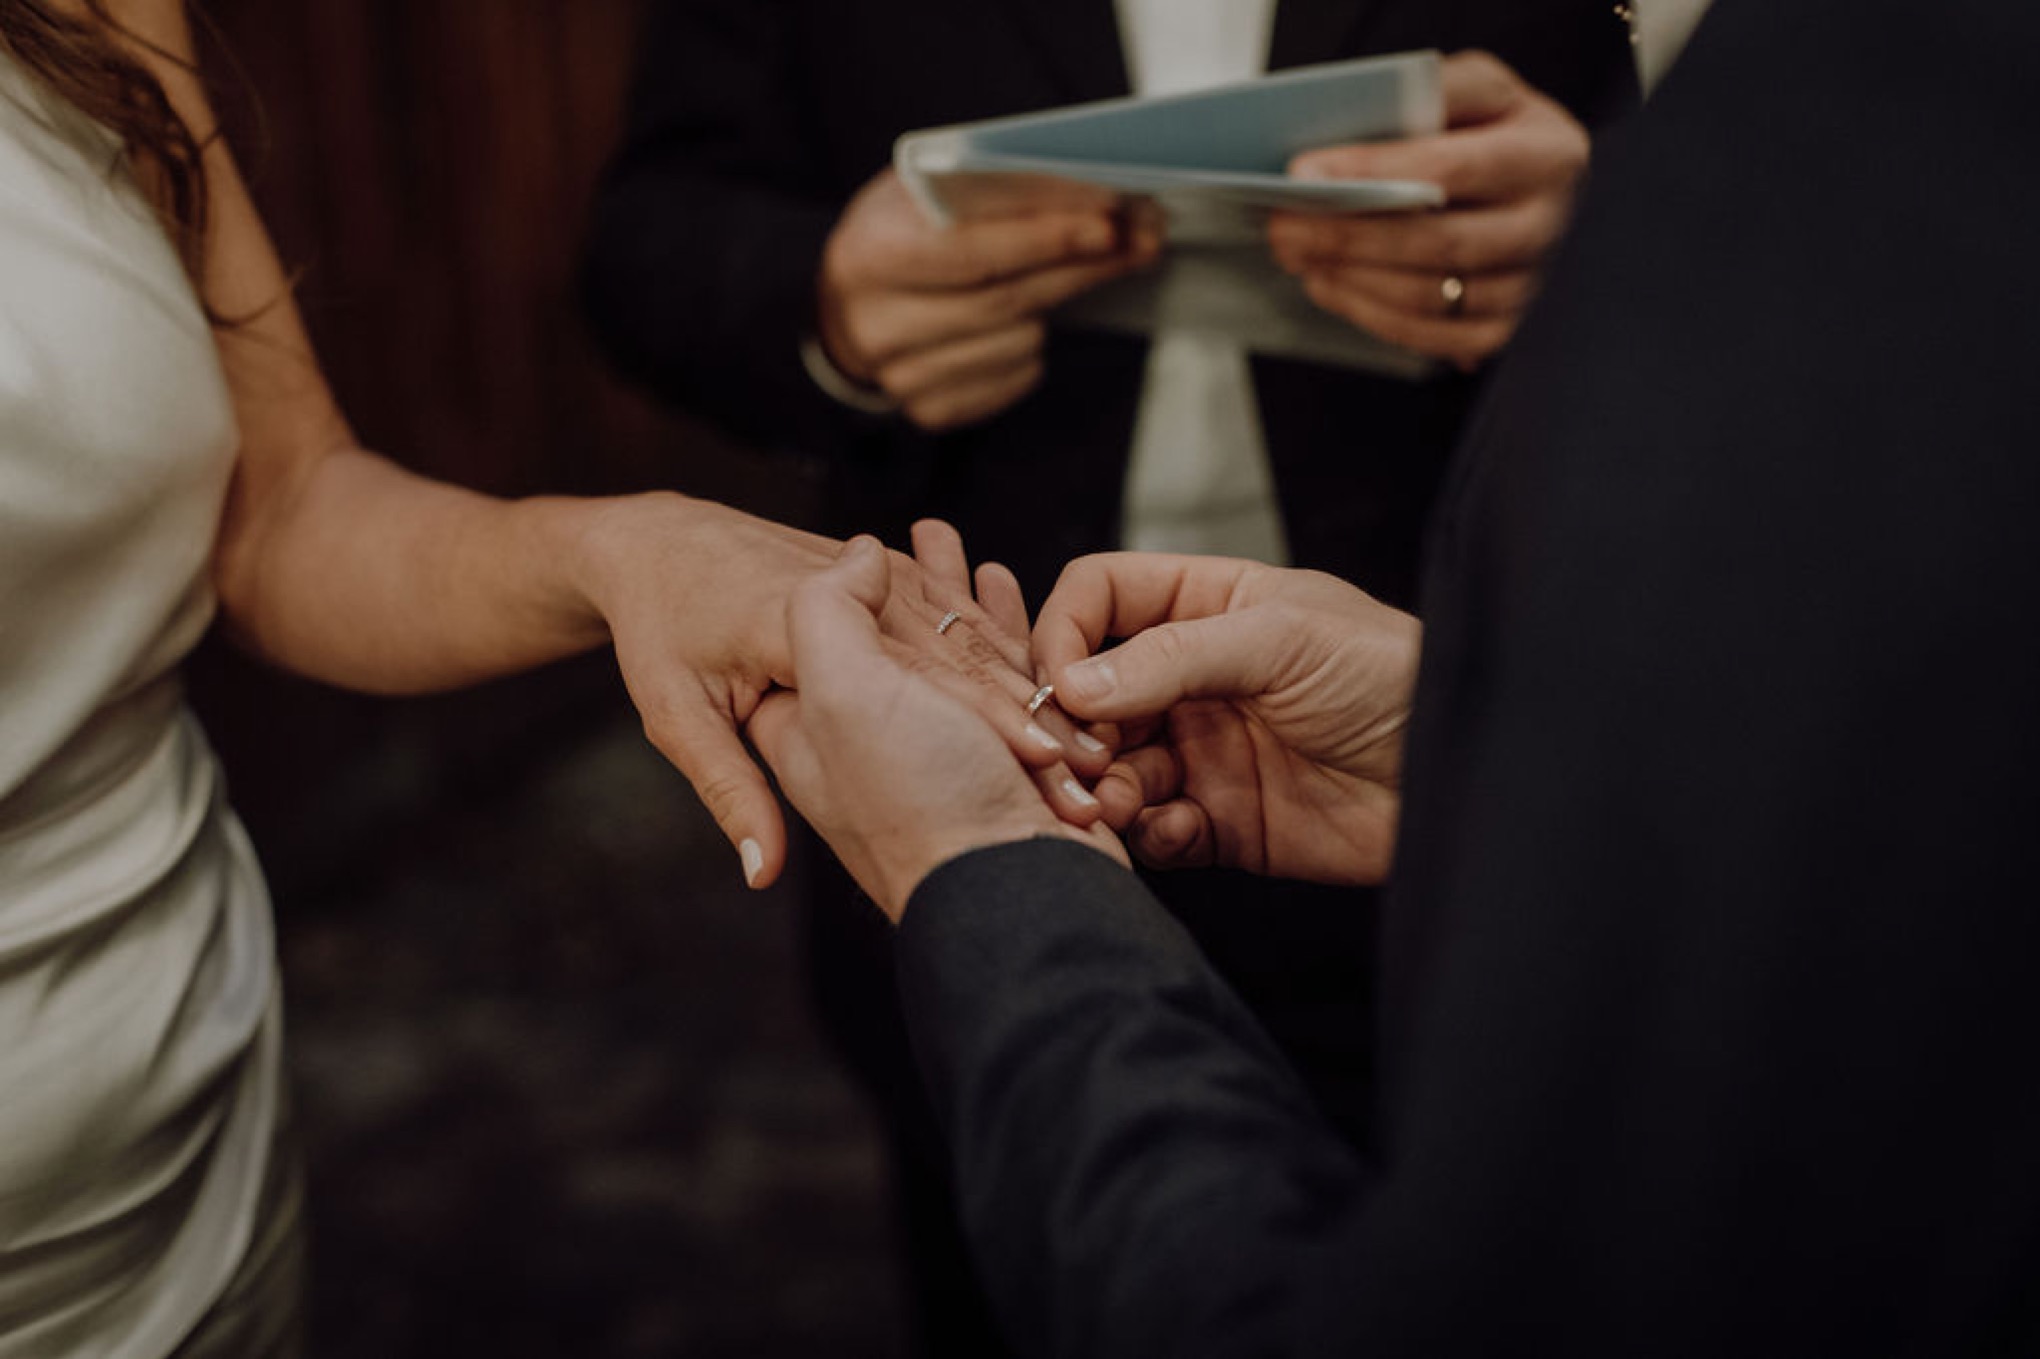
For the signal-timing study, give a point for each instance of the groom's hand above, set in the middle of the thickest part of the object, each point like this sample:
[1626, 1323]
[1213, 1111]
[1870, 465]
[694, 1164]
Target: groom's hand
[897, 774]
[1273, 701]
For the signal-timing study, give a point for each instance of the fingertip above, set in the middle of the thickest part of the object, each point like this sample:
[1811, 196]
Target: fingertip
[929, 530]
[938, 550]
[1316, 165]
[863, 546]
[867, 568]
[1120, 797]
[997, 581]
[762, 855]
[1163, 837]
[1087, 754]
[1038, 748]
[748, 815]
[1075, 803]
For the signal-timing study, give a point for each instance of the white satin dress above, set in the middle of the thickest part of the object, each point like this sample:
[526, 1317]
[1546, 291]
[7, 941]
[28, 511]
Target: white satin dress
[146, 1208]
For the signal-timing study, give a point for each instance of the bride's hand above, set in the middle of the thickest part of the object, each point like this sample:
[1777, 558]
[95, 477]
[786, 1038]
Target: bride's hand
[694, 597]
[896, 774]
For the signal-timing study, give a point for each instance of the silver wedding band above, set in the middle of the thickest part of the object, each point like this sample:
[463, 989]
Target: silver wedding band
[1041, 696]
[1453, 289]
[948, 622]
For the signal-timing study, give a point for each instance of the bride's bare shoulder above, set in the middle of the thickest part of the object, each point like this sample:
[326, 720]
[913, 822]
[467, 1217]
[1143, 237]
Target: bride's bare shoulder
[160, 24]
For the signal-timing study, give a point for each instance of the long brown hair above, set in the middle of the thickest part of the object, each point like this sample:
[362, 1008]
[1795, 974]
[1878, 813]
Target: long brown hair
[82, 61]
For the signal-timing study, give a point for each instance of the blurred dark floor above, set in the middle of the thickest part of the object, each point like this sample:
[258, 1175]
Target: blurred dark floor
[559, 1090]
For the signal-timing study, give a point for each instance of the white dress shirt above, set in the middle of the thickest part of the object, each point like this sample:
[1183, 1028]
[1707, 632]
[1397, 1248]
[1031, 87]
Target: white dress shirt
[1661, 28]
[1198, 479]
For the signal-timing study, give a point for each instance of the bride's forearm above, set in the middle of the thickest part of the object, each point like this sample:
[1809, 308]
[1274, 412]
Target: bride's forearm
[371, 577]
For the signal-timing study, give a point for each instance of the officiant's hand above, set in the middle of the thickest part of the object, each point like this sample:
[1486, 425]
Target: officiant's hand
[1451, 283]
[946, 322]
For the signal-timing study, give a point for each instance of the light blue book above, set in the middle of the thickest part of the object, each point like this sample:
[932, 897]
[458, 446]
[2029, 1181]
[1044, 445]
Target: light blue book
[1209, 166]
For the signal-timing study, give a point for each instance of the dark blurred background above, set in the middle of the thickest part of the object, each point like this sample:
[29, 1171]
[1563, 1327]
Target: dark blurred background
[558, 1086]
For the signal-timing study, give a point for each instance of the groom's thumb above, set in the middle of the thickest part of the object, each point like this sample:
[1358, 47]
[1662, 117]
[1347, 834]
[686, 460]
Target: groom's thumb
[1226, 656]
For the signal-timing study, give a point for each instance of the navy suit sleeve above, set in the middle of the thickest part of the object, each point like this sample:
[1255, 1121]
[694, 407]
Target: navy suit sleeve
[707, 231]
[1139, 1167]
[1711, 1012]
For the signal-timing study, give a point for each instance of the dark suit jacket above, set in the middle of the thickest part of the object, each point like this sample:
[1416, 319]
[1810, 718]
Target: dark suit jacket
[1713, 945]
[753, 123]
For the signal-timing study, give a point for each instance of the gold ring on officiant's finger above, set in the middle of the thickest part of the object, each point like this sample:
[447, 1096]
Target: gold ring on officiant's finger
[1041, 696]
[1453, 289]
[948, 622]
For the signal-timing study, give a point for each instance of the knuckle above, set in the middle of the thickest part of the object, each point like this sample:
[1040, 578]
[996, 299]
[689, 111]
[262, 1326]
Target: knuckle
[659, 733]
[868, 338]
[906, 378]
[972, 260]
[1167, 650]
[1451, 250]
[722, 794]
[1009, 297]
[1340, 162]
[1286, 618]
[930, 413]
[1483, 61]
[1476, 170]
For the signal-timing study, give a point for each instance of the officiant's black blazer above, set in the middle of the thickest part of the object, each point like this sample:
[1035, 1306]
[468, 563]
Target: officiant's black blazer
[753, 123]
[1714, 1026]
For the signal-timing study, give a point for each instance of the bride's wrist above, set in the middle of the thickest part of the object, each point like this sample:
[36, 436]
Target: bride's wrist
[595, 541]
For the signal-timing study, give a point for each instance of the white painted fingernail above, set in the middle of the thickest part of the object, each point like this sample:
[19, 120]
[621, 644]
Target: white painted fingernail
[1040, 737]
[753, 855]
[1078, 793]
[1091, 743]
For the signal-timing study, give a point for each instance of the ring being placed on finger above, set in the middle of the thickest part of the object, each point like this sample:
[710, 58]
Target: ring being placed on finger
[948, 622]
[1452, 288]
[1041, 696]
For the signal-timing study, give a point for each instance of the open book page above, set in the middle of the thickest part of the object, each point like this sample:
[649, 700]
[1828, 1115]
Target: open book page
[1209, 167]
